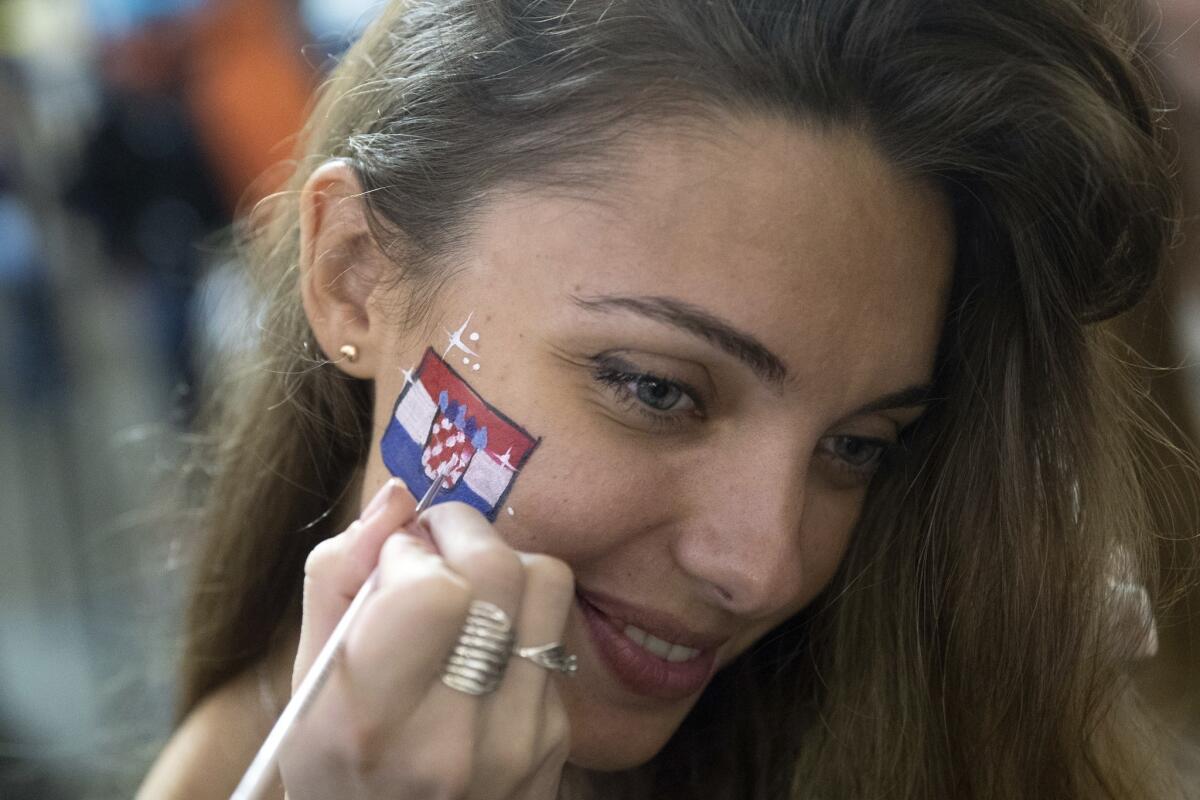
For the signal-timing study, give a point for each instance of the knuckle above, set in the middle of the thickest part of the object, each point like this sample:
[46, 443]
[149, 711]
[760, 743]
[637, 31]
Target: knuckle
[436, 773]
[435, 597]
[402, 547]
[513, 755]
[498, 563]
[322, 559]
[451, 513]
[560, 752]
[558, 731]
[437, 591]
[449, 595]
[363, 747]
[550, 574]
[405, 559]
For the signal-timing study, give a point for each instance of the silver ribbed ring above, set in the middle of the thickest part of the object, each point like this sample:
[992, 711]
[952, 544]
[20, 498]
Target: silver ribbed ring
[476, 664]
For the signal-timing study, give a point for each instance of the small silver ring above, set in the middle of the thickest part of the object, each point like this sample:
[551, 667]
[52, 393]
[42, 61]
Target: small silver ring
[552, 656]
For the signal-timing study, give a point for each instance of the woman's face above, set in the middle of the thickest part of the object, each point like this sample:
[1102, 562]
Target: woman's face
[712, 350]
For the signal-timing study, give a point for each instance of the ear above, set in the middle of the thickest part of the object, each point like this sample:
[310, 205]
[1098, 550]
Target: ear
[340, 268]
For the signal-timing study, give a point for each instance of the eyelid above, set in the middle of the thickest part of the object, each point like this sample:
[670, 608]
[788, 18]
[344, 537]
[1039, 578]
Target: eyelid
[890, 415]
[899, 428]
[860, 475]
[904, 429]
[616, 374]
[610, 360]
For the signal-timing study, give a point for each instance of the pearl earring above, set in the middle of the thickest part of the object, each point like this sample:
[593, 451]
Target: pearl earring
[350, 352]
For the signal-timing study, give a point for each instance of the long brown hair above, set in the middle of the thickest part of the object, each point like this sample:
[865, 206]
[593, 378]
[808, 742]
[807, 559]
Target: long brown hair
[965, 647]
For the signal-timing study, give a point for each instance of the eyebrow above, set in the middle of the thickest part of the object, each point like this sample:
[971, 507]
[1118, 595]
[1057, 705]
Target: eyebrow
[699, 323]
[743, 346]
[909, 397]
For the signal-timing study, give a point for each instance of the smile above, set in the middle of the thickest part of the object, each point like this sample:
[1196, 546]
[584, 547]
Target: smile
[662, 649]
[672, 663]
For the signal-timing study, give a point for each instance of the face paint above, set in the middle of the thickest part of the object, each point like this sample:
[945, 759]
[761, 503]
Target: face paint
[440, 421]
[456, 339]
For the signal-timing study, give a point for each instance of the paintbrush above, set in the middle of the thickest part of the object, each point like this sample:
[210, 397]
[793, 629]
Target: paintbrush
[259, 775]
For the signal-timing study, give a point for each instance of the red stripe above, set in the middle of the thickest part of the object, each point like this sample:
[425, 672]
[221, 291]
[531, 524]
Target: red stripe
[437, 377]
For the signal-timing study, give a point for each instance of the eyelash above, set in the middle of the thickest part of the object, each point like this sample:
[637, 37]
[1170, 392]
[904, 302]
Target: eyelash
[618, 380]
[863, 473]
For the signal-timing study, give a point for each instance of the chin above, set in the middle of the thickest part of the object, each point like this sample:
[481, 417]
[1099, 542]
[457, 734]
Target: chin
[615, 752]
[608, 761]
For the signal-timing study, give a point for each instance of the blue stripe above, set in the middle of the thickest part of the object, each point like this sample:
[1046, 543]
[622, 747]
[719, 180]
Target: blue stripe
[402, 457]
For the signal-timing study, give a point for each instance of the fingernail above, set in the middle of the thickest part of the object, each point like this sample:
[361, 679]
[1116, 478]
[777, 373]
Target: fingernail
[380, 499]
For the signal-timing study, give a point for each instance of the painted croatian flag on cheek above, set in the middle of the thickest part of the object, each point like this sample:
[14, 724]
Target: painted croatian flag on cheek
[441, 423]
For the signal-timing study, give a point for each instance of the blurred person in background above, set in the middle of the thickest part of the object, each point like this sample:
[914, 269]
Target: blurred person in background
[250, 79]
[151, 120]
[149, 186]
[198, 103]
[34, 387]
[32, 372]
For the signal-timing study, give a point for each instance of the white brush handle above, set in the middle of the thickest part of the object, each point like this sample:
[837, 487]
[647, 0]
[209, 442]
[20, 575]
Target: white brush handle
[262, 769]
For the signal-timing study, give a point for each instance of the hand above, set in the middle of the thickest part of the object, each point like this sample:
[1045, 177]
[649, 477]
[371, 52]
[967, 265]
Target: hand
[385, 726]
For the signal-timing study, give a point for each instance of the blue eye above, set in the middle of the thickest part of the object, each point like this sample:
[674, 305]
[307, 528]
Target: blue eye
[857, 452]
[661, 395]
[855, 457]
[660, 400]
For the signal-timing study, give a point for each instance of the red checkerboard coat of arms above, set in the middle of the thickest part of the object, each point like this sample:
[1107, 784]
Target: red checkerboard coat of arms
[453, 440]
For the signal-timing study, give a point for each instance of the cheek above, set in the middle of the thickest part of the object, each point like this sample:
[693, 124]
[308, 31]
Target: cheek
[828, 524]
[589, 487]
[573, 503]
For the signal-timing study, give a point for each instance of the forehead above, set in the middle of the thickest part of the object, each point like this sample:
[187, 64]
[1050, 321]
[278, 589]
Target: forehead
[807, 239]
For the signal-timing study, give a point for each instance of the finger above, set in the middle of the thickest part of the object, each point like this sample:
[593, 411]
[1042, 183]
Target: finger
[473, 549]
[398, 646]
[545, 606]
[337, 568]
[380, 497]
[392, 508]
[515, 735]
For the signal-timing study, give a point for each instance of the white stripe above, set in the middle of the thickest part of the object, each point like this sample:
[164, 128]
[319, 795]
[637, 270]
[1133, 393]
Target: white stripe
[487, 478]
[415, 413]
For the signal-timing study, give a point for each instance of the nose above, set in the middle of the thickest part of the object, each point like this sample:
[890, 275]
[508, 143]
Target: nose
[742, 535]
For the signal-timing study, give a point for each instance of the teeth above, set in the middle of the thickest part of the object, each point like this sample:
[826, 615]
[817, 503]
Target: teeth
[664, 650]
[681, 653]
[637, 634]
[657, 646]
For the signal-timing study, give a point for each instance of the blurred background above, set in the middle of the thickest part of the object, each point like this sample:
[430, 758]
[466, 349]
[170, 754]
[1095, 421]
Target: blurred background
[131, 134]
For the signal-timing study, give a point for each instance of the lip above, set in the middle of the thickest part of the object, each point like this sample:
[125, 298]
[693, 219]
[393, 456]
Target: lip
[656, 623]
[636, 668]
